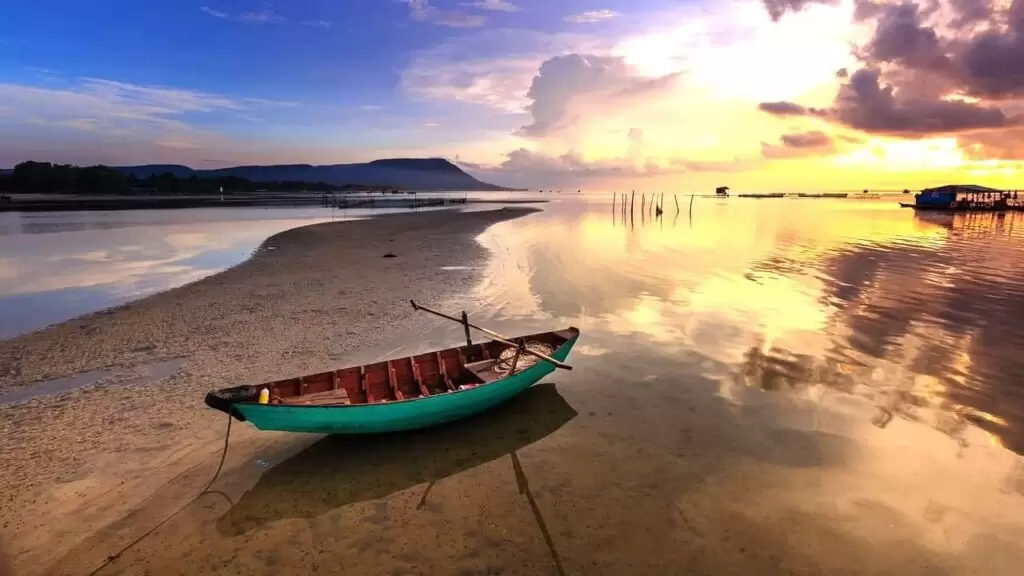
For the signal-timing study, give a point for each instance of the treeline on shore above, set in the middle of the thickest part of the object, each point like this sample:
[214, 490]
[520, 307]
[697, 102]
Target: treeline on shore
[46, 178]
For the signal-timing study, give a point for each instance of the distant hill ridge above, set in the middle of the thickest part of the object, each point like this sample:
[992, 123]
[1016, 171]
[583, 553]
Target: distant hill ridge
[404, 173]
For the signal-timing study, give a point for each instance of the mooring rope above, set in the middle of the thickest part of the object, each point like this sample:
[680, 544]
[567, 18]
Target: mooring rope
[206, 490]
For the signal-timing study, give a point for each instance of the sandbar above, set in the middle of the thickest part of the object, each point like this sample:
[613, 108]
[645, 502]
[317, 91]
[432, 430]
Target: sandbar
[110, 460]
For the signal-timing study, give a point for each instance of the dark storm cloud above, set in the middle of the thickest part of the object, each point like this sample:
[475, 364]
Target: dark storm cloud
[788, 109]
[798, 144]
[778, 8]
[865, 104]
[812, 139]
[901, 38]
[915, 81]
[994, 65]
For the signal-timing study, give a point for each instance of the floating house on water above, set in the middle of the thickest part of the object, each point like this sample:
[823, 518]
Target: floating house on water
[965, 197]
[722, 191]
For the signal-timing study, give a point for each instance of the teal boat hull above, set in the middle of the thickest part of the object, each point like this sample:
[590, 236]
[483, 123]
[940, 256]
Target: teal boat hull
[400, 415]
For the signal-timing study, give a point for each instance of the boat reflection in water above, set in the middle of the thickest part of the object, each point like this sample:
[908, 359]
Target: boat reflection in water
[341, 470]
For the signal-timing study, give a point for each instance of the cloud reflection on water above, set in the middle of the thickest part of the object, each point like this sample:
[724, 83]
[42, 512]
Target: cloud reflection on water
[916, 313]
[55, 267]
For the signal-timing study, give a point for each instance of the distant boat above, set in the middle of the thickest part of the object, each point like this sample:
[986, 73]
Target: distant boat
[401, 394]
[722, 192]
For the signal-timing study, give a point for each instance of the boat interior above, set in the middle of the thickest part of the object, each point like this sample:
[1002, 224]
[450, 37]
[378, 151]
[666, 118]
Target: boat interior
[418, 376]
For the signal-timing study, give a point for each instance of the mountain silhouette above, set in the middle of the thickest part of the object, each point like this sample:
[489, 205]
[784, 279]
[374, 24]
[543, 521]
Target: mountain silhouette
[404, 173]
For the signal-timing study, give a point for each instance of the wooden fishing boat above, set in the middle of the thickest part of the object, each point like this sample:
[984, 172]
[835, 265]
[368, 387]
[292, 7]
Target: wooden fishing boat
[404, 393]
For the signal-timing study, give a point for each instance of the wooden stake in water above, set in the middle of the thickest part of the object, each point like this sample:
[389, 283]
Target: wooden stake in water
[676, 196]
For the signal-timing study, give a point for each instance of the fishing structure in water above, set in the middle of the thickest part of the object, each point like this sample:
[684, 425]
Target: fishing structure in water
[966, 198]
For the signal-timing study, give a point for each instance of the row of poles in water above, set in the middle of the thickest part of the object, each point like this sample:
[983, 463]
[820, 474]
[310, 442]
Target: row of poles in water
[656, 206]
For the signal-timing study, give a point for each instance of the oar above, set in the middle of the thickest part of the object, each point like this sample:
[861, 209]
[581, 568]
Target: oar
[494, 335]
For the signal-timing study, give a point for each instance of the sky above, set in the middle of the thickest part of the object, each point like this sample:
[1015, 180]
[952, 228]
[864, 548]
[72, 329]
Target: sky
[680, 95]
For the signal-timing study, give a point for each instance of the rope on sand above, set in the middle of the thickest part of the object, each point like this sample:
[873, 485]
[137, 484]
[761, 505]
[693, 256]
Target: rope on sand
[206, 490]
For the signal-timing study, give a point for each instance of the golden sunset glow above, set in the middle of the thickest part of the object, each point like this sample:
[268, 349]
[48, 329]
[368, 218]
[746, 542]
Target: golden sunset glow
[692, 119]
[759, 96]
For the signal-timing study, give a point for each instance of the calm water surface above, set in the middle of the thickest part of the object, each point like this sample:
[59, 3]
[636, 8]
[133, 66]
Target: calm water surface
[775, 386]
[58, 265]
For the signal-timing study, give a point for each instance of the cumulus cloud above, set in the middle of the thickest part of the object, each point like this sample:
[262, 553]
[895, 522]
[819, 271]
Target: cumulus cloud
[525, 167]
[635, 152]
[945, 67]
[564, 84]
[423, 11]
[493, 68]
[591, 17]
[799, 144]
[493, 5]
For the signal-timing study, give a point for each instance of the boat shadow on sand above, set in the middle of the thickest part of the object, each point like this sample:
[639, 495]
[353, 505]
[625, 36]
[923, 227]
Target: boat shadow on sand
[340, 470]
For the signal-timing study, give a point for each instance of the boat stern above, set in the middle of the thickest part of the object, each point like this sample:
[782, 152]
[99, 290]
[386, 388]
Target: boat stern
[225, 399]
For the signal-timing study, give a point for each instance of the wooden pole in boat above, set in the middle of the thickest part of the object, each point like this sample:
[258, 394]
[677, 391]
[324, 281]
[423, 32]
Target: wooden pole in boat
[515, 359]
[495, 336]
[465, 324]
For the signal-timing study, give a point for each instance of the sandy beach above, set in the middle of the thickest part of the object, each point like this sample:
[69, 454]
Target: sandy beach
[88, 470]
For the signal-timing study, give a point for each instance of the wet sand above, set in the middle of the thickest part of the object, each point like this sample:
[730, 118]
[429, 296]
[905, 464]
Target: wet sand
[88, 470]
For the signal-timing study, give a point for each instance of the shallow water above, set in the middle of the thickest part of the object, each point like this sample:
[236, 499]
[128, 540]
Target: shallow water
[55, 266]
[774, 386]
[141, 375]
